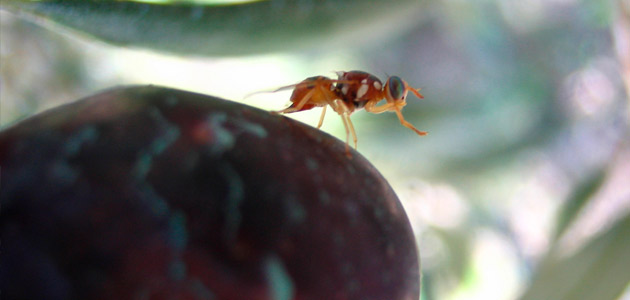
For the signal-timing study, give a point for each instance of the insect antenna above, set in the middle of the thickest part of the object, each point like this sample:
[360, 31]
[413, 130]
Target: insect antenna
[416, 92]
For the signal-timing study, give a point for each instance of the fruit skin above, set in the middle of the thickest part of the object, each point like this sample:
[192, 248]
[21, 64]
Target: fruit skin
[146, 192]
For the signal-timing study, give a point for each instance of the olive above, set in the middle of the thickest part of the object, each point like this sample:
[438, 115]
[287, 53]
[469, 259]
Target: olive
[147, 192]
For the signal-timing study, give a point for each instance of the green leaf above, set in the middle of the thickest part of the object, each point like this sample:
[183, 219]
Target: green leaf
[228, 29]
[598, 271]
[577, 200]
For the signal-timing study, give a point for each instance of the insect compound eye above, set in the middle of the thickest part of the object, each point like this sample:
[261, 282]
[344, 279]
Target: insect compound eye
[396, 87]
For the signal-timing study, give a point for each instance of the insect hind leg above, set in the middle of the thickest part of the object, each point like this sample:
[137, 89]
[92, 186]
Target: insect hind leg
[299, 106]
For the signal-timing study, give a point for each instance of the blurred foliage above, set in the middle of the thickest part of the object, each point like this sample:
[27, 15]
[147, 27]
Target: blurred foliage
[520, 189]
[598, 271]
[576, 202]
[201, 28]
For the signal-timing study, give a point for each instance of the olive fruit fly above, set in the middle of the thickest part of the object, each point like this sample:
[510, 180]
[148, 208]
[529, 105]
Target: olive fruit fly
[352, 91]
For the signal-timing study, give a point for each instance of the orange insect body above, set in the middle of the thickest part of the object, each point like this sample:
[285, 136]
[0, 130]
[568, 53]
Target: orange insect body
[352, 91]
[311, 92]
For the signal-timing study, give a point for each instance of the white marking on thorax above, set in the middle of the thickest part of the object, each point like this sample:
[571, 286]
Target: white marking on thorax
[362, 90]
[377, 85]
[344, 89]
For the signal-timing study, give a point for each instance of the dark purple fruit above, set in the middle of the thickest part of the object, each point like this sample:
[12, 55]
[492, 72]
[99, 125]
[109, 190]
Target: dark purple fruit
[155, 193]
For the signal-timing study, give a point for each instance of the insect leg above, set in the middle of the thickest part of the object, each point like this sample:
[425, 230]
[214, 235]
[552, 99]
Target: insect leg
[321, 118]
[407, 124]
[329, 101]
[336, 107]
[346, 114]
[300, 104]
[371, 107]
[345, 125]
[354, 134]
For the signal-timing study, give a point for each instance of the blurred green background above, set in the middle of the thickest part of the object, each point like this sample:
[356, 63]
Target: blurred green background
[521, 190]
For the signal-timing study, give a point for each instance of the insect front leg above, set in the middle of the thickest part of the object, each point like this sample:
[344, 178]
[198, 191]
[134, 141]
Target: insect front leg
[371, 107]
[407, 124]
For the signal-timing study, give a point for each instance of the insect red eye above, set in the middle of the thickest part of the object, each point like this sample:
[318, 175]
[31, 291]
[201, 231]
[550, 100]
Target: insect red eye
[396, 87]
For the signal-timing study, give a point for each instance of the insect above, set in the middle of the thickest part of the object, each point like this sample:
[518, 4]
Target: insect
[353, 90]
